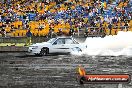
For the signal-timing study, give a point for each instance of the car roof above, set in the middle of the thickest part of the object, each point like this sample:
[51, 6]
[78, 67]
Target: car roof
[64, 37]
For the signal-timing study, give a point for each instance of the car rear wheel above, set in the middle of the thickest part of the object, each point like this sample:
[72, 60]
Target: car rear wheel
[44, 51]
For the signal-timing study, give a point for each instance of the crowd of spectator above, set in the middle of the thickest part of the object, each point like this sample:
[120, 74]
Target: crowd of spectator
[61, 15]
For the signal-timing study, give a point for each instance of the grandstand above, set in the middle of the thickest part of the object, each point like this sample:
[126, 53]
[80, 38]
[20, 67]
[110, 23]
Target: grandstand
[39, 16]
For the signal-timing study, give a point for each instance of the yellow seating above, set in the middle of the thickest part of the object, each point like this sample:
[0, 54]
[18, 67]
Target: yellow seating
[125, 4]
[115, 31]
[118, 29]
[66, 31]
[52, 10]
[107, 31]
[20, 23]
[56, 29]
[105, 5]
[112, 32]
[20, 33]
[24, 32]
[32, 25]
[130, 23]
[41, 11]
[8, 29]
[130, 29]
[15, 34]
[16, 24]
[47, 8]
[0, 23]
[36, 33]
[120, 5]
[42, 32]
[12, 34]
[98, 24]
[73, 7]
[67, 26]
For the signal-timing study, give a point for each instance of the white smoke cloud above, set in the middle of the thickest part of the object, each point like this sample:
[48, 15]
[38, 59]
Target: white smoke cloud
[116, 45]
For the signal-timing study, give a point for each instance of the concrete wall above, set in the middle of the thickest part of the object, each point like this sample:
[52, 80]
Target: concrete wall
[13, 49]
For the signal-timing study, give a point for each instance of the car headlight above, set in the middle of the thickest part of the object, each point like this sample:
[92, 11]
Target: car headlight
[34, 47]
[76, 49]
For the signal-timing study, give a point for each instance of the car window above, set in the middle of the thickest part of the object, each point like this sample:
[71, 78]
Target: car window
[75, 42]
[59, 41]
[51, 40]
[69, 41]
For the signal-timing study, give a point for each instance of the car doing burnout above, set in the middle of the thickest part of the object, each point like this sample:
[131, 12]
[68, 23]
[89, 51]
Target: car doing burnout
[56, 45]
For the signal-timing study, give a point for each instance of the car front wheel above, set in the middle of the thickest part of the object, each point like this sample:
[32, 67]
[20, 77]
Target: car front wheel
[44, 51]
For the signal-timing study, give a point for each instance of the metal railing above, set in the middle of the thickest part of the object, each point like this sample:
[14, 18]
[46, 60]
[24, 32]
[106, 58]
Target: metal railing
[12, 39]
[21, 39]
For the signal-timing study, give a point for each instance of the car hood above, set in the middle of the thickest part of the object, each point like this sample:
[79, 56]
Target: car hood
[39, 44]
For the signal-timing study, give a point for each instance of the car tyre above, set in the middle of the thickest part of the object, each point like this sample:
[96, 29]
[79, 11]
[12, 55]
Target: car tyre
[36, 54]
[44, 52]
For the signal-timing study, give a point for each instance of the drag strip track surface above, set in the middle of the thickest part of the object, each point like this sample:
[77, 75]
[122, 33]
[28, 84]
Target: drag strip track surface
[18, 70]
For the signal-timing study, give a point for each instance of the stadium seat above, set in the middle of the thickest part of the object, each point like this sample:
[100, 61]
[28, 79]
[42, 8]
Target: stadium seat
[105, 5]
[45, 32]
[8, 29]
[65, 11]
[107, 31]
[20, 33]
[36, 33]
[125, 4]
[24, 32]
[120, 5]
[1, 24]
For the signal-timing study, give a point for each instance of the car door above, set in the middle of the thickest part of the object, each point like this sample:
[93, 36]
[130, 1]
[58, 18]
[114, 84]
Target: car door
[70, 43]
[58, 46]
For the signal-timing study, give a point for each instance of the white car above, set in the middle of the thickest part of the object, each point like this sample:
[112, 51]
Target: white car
[56, 45]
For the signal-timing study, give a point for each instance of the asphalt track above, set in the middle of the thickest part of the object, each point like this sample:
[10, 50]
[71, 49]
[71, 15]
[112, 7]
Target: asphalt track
[19, 70]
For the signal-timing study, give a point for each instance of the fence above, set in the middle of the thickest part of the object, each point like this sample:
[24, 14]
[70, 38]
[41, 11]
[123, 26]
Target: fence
[21, 39]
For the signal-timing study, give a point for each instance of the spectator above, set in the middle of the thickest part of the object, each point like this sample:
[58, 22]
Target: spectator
[126, 26]
[0, 18]
[115, 28]
[3, 32]
[71, 11]
[71, 32]
[110, 28]
[102, 10]
[60, 32]
[51, 32]
[86, 31]
[29, 35]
